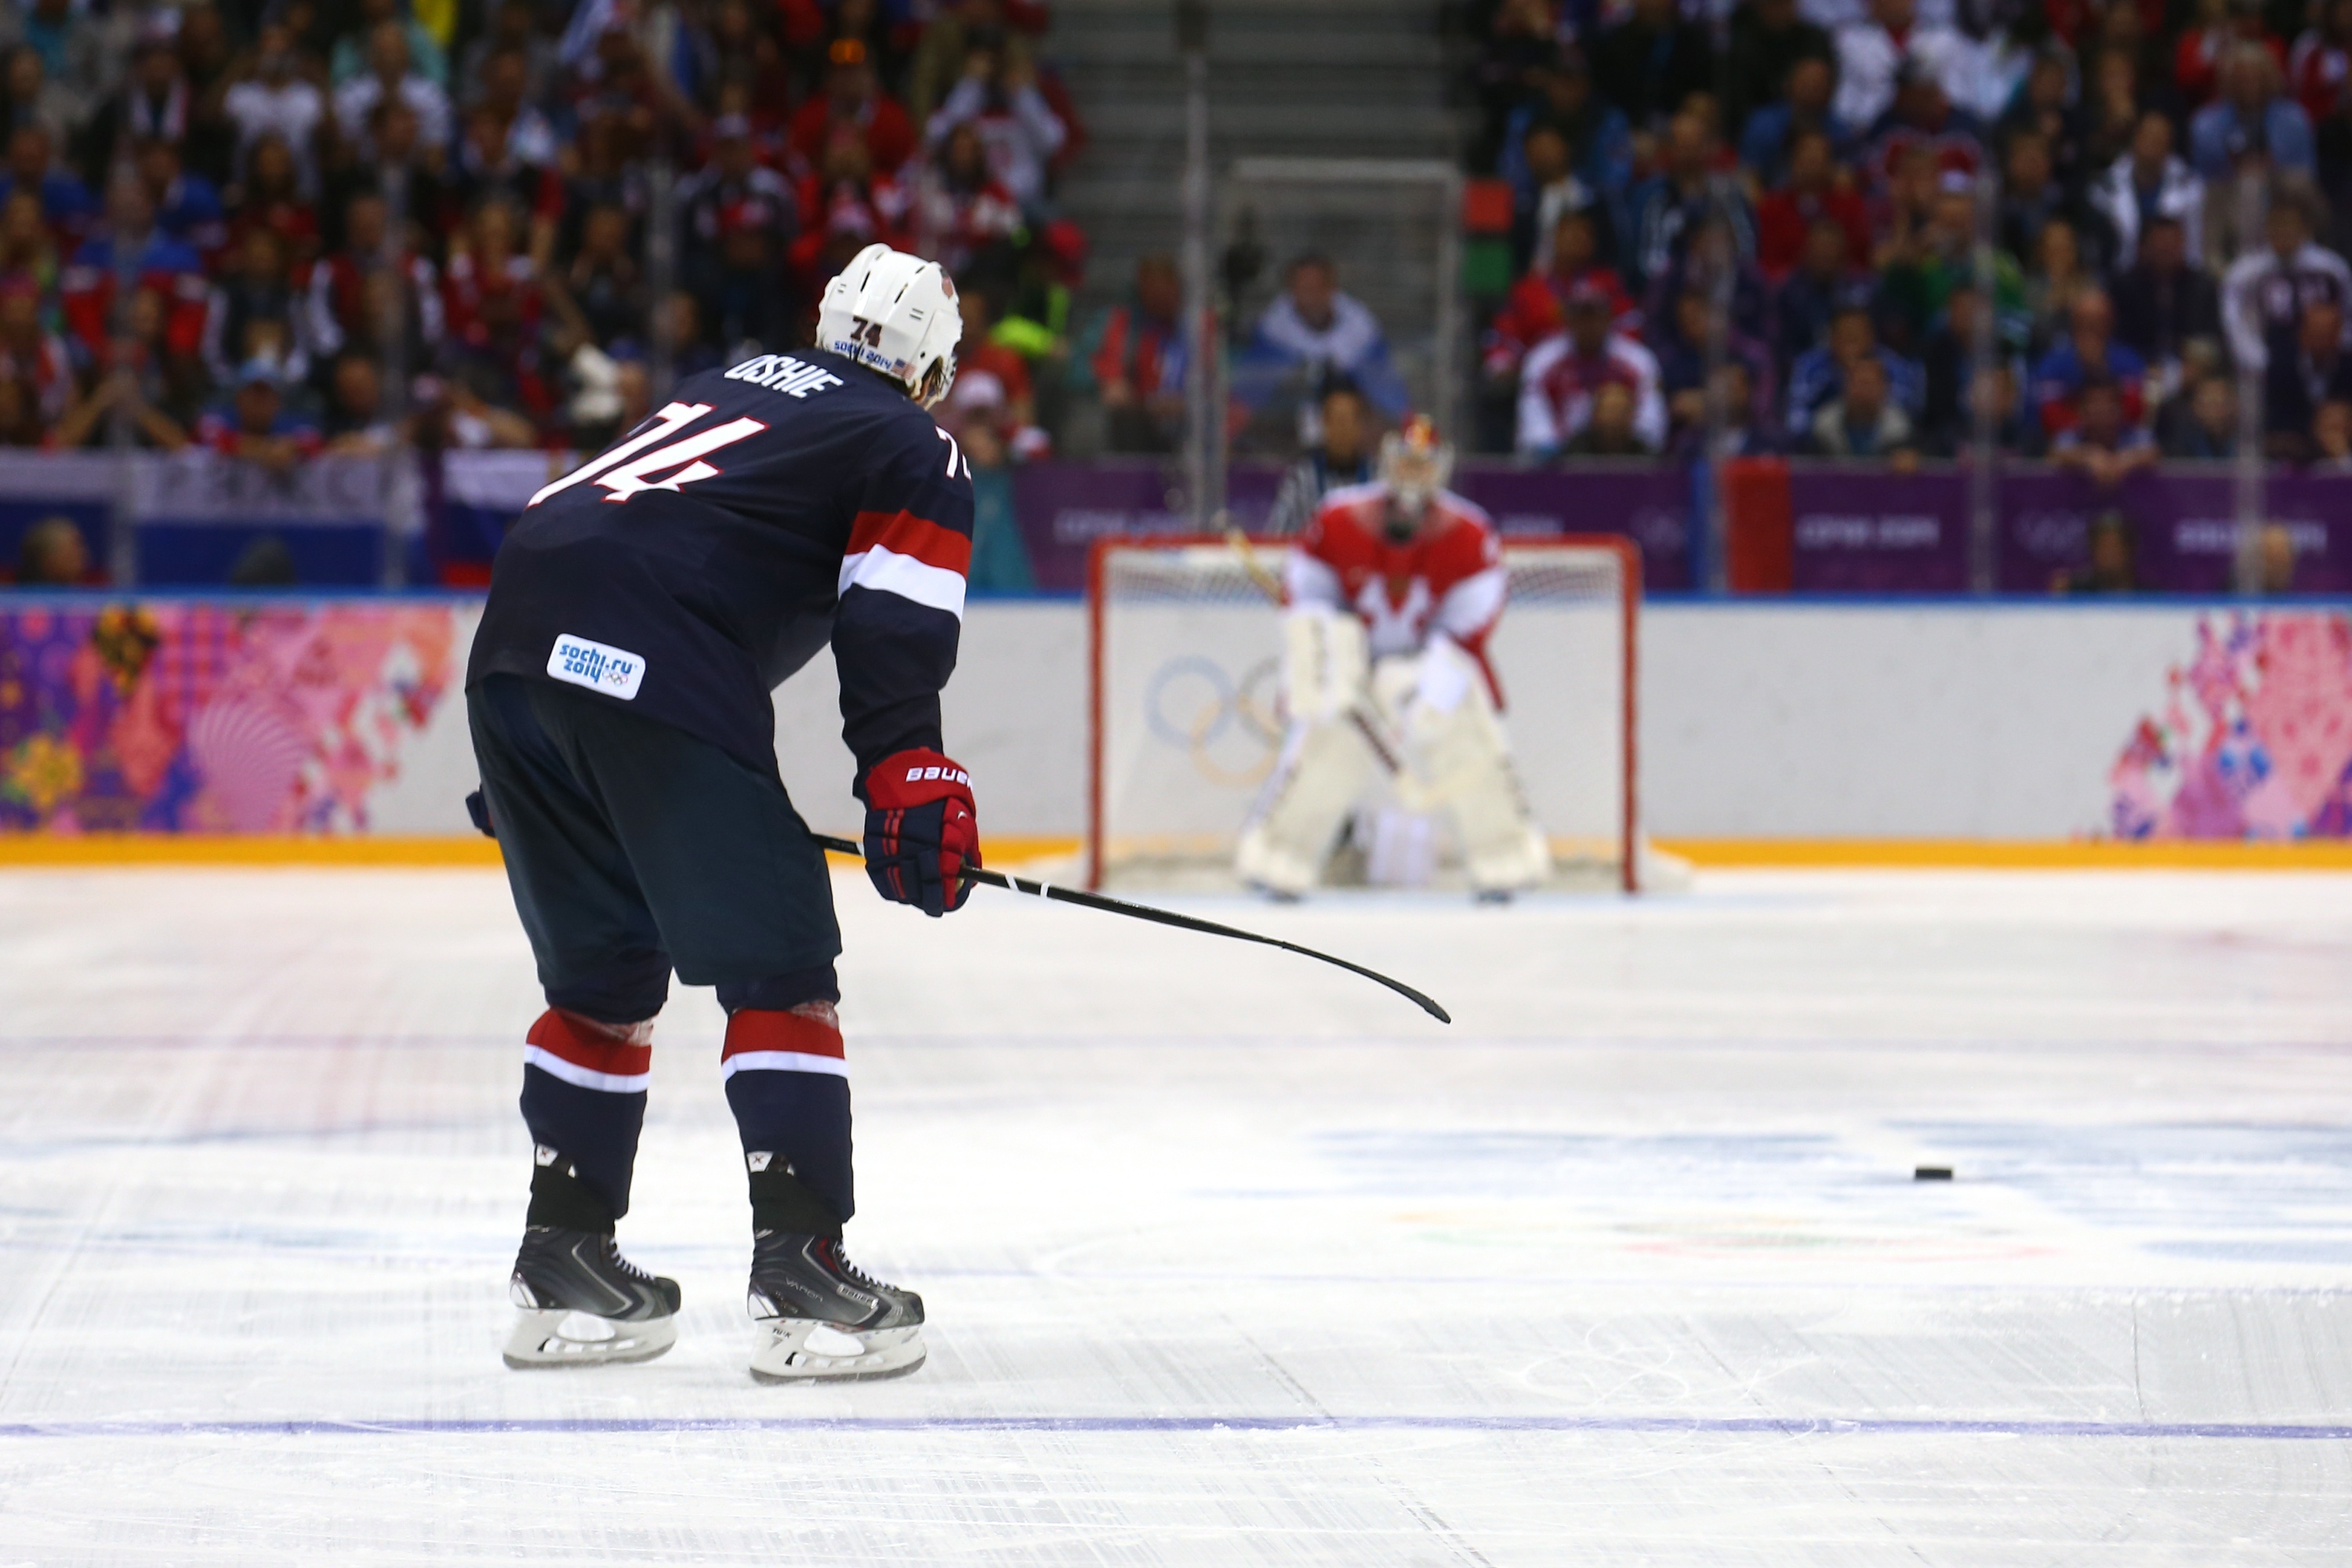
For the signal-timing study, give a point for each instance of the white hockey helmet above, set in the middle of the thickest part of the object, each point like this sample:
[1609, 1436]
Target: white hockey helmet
[897, 314]
[1415, 464]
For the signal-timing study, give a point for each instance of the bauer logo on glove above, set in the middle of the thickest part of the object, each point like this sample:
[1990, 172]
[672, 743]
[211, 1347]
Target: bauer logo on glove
[921, 830]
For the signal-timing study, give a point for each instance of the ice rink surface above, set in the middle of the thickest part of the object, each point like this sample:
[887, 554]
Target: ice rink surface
[1231, 1259]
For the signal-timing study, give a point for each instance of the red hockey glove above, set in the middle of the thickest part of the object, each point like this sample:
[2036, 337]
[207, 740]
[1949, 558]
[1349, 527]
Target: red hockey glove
[921, 830]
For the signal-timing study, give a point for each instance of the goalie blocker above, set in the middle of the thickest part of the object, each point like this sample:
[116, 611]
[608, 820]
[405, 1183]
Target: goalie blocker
[1392, 594]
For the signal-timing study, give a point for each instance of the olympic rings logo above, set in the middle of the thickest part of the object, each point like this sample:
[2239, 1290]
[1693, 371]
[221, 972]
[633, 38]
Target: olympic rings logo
[1192, 704]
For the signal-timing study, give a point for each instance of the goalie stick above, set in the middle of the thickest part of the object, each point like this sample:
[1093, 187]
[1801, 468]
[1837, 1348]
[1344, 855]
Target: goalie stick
[1159, 917]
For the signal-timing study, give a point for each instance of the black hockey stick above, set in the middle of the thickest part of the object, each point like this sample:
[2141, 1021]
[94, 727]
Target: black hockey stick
[1163, 917]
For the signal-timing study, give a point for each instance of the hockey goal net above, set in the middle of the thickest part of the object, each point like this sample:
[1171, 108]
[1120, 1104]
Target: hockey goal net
[1187, 719]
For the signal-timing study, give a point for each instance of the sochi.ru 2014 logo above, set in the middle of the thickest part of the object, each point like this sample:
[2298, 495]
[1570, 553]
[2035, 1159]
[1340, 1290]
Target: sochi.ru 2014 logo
[579, 661]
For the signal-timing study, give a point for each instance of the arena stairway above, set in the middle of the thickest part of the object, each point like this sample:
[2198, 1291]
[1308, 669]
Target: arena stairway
[1353, 79]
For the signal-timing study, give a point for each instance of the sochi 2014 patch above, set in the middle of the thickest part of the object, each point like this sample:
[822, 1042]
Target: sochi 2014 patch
[599, 667]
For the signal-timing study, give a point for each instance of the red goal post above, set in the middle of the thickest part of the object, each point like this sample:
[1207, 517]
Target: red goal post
[1183, 701]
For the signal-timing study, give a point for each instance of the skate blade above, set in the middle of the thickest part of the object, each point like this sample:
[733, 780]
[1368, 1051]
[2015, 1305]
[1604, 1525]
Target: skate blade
[785, 1356]
[559, 1338]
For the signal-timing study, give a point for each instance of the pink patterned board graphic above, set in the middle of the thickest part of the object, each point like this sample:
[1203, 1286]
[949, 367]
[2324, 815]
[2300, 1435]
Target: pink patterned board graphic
[2255, 738]
[166, 717]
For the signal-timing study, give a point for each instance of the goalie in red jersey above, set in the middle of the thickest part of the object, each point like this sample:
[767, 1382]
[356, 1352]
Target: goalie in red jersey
[1395, 738]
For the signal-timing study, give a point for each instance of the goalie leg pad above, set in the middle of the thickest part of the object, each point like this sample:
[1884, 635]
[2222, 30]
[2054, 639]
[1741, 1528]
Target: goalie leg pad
[1325, 759]
[1325, 662]
[1322, 775]
[1463, 760]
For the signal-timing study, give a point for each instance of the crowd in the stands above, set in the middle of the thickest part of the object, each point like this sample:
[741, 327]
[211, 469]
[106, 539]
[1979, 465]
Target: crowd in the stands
[1793, 194]
[278, 227]
[2107, 235]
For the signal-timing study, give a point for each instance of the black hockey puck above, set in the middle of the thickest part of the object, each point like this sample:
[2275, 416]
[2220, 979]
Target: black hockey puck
[1931, 1174]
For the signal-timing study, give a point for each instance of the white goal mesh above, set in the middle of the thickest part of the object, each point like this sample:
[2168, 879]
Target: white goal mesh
[1188, 721]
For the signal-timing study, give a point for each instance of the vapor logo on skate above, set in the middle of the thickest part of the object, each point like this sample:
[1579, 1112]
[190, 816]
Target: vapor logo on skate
[615, 671]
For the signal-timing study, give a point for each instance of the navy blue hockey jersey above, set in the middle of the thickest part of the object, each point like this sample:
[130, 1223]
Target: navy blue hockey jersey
[685, 571]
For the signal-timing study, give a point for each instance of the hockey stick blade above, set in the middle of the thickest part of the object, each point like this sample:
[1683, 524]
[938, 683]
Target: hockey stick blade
[1163, 917]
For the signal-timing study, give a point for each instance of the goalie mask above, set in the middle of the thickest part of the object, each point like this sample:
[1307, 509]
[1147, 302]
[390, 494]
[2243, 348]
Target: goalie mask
[1415, 464]
[895, 314]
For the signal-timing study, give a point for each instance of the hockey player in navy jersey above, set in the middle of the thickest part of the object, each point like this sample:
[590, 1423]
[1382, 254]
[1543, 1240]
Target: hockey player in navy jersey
[641, 612]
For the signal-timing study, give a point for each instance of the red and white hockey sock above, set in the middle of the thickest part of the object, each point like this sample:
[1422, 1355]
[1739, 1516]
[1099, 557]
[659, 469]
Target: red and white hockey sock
[788, 1084]
[583, 1098]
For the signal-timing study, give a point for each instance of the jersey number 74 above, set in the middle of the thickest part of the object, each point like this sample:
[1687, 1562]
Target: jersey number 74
[630, 467]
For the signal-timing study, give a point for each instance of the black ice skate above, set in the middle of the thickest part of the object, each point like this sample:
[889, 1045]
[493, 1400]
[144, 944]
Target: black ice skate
[821, 1316]
[585, 1305]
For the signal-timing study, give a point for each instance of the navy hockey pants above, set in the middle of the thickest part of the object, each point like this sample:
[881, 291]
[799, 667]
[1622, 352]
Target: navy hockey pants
[632, 849]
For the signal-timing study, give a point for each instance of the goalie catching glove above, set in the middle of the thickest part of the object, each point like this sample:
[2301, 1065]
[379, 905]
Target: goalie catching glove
[921, 830]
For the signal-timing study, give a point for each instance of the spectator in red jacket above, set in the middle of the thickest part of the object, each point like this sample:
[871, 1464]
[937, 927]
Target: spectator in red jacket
[1565, 373]
[2320, 71]
[352, 298]
[1134, 358]
[853, 96]
[492, 301]
[2088, 353]
[1815, 192]
[2221, 25]
[156, 390]
[271, 197]
[30, 353]
[1537, 306]
[131, 243]
[961, 211]
[2103, 442]
[844, 206]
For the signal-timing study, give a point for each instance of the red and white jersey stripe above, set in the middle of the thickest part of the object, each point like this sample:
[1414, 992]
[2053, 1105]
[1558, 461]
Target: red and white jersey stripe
[911, 556]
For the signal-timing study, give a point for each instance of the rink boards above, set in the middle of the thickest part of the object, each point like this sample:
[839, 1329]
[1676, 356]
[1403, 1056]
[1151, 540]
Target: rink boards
[2012, 722]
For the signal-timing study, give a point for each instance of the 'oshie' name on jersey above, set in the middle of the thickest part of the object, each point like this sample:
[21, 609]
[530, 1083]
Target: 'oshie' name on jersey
[1447, 578]
[692, 566]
